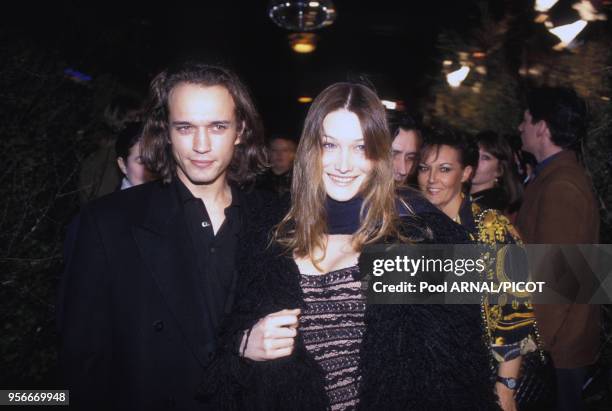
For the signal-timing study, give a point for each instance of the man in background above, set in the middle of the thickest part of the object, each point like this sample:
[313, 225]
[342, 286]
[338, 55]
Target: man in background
[407, 141]
[559, 207]
[277, 179]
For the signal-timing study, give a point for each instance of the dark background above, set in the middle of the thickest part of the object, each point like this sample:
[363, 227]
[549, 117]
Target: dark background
[49, 123]
[392, 42]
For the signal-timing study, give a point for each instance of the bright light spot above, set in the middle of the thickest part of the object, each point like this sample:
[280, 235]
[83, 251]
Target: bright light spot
[303, 42]
[313, 4]
[303, 47]
[587, 11]
[389, 105]
[455, 78]
[447, 63]
[305, 99]
[568, 32]
[605, 98]
[534, 71]
[481, 70]
[544, 5]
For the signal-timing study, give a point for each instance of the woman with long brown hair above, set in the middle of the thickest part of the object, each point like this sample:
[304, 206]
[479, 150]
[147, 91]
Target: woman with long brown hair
[301, 335]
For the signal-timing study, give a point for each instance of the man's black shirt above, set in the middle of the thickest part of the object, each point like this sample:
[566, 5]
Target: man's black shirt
[215, 254]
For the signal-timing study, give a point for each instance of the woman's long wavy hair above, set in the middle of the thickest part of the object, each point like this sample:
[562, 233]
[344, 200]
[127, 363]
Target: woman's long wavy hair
[249, 156]
[303, 230]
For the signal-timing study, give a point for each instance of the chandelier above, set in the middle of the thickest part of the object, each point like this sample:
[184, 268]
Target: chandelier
[301, 15]
[302, 18]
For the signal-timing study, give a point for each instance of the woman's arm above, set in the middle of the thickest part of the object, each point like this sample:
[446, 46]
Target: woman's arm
[508, 369]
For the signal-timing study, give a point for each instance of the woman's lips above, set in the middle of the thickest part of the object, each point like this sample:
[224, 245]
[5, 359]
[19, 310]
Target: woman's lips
[433, 191]
[342, 180]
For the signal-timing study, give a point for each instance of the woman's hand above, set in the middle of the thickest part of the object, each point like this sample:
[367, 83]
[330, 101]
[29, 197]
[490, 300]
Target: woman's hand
[271, 337]
[506, 397]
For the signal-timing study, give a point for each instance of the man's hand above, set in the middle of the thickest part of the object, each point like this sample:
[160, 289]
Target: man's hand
[271, 337]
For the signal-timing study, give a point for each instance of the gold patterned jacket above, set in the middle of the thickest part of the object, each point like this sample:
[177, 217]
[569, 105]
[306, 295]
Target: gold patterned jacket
[510, 322]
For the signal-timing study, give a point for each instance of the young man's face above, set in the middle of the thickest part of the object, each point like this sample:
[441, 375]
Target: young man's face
[203, 132]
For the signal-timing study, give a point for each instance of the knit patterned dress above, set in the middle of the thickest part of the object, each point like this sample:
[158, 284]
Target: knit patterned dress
[332, 326]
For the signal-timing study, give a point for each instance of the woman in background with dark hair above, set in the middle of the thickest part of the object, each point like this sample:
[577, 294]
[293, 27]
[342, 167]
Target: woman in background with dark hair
[495, 183]
[448, 160]
[129, 161]
[342, 353]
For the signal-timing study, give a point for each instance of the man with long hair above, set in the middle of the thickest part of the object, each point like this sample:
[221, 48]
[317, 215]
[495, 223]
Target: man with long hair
[151, 270]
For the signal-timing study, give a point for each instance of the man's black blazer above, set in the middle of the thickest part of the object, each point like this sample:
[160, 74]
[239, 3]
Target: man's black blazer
[134, 330]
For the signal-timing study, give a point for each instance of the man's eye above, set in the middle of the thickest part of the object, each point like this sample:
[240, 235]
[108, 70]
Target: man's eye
[219, 127]
[183, 129]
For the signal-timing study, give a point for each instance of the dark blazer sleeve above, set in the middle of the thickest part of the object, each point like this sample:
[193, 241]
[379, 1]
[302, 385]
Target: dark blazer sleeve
[266, 284]
[85, 329]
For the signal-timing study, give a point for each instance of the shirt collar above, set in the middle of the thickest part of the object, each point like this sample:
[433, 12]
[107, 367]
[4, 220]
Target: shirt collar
[186, 196]
[125, 183]
[542, 164]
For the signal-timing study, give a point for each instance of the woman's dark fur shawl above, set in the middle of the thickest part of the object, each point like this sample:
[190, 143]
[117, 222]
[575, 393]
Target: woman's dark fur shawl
[413, 357]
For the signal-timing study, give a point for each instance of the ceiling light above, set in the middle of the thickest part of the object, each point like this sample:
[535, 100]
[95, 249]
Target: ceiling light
[301, 15]
[455, 78]
[303, 42]
[568, 32]
[389, 105]
[544, 5]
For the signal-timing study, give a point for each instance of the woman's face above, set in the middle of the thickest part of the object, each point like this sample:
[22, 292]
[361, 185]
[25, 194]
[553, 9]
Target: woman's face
[440, 175]
[133, 168]
[345, 166]
[488, 169]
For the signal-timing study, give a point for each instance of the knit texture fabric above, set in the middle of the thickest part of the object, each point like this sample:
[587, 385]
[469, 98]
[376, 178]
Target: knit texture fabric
[412, 357]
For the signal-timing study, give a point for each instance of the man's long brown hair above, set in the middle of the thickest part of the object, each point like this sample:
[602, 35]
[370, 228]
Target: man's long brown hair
[303, 230]
[249, 156]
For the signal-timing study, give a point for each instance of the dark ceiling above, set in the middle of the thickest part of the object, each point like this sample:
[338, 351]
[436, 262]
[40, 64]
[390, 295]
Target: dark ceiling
[392, 42]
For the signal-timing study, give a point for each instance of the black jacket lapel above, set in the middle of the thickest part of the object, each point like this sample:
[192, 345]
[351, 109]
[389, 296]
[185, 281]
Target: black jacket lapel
[166, 248]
